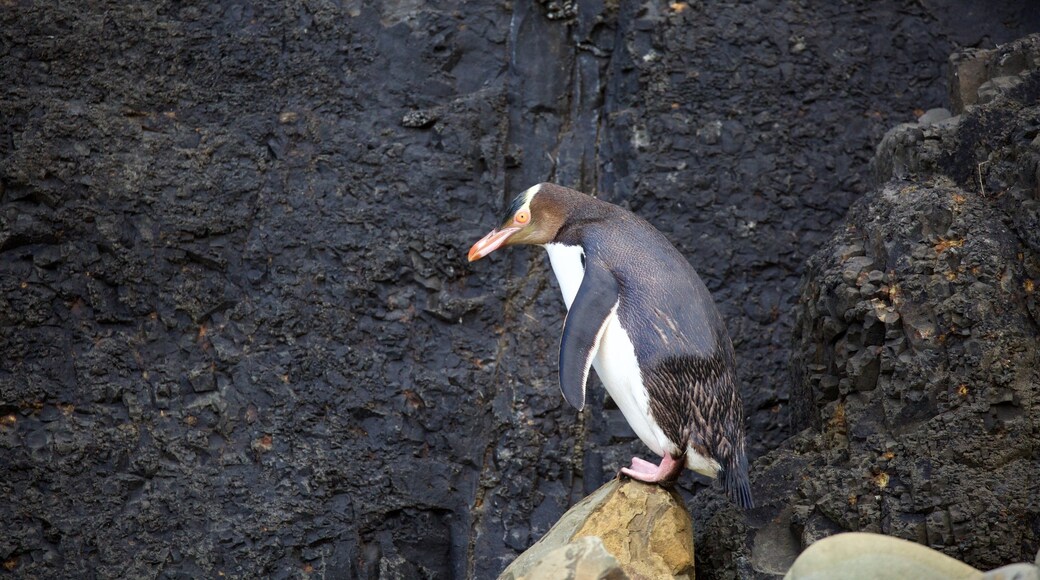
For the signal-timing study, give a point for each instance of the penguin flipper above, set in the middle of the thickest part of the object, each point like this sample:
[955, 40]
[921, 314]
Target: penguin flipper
[596, 300]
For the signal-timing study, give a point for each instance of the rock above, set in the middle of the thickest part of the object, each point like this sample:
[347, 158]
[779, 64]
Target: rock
[858, 556]
[863, 368]
[776, 547]
[646, 528]
[584, 558]
[560, 9]
[967, 73]
[418, 119]
[854, 266]
[1014, 572]
[991, 90]
[917, 399]
[933, 116]
[915, 356]
[977, 75]
[923, 390]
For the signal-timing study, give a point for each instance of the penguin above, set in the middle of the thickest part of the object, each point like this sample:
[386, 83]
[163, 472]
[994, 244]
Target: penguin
[637, 313]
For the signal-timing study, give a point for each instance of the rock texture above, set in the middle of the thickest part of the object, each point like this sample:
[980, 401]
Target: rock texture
[645, 528]
[238, 335]
[917, 346]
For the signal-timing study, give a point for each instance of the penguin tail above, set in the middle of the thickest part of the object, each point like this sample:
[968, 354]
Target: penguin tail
[735, 482]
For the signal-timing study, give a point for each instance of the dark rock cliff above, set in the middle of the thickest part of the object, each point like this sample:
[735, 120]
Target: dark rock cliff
[917, 344]
[237, 332]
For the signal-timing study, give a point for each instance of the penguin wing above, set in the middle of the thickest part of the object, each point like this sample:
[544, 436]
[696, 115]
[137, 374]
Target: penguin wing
[583, 328]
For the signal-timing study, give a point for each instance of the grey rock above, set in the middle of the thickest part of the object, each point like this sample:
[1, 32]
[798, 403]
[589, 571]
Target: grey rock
[776, 546]
[583, 558]
[863, 368]
[853, 267]
[990, 90]
[418, 119]
[1014, 572]
[974, 72]
[858, 556]
[968, 72]
[933, 116]
[560, 9]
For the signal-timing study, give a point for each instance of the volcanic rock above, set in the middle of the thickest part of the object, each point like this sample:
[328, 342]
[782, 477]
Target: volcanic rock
[917, 361]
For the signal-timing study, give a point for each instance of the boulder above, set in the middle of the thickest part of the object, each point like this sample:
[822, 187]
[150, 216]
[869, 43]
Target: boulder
[623, 529]
[859, 556]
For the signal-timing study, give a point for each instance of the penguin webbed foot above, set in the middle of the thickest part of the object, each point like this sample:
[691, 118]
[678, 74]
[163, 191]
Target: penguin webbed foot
[665, 473]
[643, 466]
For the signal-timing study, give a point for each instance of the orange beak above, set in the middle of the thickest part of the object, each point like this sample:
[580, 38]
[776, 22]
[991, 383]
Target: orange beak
[490, 243]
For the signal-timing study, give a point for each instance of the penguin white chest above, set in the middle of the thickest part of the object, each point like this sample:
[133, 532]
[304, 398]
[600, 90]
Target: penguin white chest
[568, 267]
[615, 361]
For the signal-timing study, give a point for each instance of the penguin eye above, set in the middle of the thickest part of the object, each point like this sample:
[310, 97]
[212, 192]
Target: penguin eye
[522, 217]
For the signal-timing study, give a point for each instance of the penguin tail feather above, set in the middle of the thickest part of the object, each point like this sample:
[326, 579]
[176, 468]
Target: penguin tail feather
[735, 482]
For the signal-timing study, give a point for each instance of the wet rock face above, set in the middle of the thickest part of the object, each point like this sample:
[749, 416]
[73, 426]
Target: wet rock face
[237, 332]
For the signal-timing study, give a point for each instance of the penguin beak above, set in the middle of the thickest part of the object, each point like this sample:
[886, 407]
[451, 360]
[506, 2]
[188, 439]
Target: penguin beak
[490, 243]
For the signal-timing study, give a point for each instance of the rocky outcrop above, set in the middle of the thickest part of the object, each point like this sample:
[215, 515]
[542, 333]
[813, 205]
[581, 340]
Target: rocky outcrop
[978, 76]
[917, 359]
[991, 93]
[624, 529]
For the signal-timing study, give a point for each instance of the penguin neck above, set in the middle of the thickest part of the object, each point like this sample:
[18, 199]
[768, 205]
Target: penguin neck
[568, 264]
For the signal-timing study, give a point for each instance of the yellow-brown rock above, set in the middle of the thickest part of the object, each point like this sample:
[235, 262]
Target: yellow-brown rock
[645, 528]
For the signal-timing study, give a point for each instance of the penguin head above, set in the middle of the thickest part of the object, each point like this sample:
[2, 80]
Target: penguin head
[534, 217]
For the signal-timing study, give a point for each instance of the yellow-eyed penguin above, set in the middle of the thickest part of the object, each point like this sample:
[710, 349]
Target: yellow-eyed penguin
[638, 313]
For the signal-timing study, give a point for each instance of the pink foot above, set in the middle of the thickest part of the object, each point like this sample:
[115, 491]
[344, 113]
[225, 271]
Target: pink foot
[643, 466]
[667, 472]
